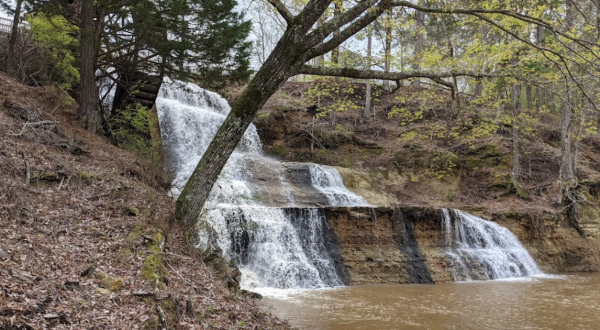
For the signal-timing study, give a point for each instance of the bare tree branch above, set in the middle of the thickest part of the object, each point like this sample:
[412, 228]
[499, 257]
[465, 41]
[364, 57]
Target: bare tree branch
[283, 11]
[479, 13]
[339, 21]
[311, 13]
[382, 75]
[371, 15]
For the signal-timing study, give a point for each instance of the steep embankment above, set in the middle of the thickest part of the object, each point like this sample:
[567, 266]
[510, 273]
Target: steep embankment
[87, 233]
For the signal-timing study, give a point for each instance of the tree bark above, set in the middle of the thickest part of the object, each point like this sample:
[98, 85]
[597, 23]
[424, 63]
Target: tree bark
[12, 41]
[367, 112]
[566, 173]
[419, 42]
[567, 166]
[335, 53]
[89, 113]
[274, 72]
[516, 101]
[388, 49]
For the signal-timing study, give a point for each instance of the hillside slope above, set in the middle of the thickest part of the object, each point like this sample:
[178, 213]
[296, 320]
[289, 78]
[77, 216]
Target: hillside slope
[88, 240]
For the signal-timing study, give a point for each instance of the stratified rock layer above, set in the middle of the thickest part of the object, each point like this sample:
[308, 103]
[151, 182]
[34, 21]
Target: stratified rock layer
[405, 245]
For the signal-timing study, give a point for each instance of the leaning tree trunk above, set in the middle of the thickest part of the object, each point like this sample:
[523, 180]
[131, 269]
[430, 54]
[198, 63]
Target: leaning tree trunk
[11, 63]
[274, 72]
[292, 51]
[89, 113]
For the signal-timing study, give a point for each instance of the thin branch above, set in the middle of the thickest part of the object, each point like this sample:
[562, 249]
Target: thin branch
[478, 12]
[283, 11]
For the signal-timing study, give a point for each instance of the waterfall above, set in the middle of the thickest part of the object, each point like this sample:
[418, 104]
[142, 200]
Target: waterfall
[478, 249]
[329, 182]
[273, 247]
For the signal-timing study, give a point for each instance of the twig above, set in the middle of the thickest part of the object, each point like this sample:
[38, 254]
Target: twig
[314, 139]
[35, 124]
[68, 179]
[184, 279]
[163, 318]
[28, 173]
[142, 294]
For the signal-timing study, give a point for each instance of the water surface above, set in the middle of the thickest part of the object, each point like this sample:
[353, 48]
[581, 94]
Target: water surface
[563, 303]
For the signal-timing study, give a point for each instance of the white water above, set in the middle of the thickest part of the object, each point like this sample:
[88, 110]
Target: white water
[483, 250]
[269, 246]
[330, 183]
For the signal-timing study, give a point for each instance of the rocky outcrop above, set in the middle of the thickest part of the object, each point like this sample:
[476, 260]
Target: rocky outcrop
[405, 245]
[554, 244]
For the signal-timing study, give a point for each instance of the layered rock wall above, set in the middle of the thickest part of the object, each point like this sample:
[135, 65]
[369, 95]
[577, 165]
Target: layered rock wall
[405, 245]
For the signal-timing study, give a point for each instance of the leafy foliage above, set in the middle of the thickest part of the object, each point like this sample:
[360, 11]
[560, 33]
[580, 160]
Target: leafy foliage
[57, 39]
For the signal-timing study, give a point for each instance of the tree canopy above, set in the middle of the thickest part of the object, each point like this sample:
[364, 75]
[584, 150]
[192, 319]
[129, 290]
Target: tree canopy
[550, 45]
[198, 40]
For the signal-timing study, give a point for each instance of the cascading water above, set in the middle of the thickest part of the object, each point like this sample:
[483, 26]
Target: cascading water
[483, 250]
[273, 247]
[329, 182]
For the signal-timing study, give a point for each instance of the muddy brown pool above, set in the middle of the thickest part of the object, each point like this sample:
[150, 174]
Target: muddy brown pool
[570, 302]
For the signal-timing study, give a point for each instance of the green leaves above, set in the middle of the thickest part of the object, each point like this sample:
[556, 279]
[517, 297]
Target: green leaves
[57, 39]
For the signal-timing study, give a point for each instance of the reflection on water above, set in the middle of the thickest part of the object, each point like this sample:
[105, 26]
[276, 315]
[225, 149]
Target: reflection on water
[562, 303]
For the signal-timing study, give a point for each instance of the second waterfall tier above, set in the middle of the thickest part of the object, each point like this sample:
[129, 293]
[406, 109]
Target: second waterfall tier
[483, 250]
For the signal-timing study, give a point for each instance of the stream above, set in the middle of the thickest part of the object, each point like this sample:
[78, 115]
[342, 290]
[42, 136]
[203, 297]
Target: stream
[569, 302]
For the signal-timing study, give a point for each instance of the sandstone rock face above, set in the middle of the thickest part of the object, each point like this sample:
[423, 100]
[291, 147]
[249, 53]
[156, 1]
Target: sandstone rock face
[390, 245]
[359, 182]
[555, 245]
[280, 184]
[405, 245]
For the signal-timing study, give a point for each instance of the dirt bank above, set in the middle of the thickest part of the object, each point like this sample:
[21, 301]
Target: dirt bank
[88, 240]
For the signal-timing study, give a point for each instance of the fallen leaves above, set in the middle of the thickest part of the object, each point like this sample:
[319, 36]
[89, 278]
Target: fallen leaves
[58, 235]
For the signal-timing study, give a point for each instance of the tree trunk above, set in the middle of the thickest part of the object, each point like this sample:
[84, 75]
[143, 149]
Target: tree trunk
[274, 72]
[11, 64]
[89, 113]
[367, 112]
[335, 53]
[419, 42]
[388, 49]
[516, 101]
[567, 167]
[566, 174]
[478, 89]
[539, 92]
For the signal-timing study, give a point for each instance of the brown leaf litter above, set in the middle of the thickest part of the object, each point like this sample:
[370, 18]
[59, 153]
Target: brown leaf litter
[87, 240]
